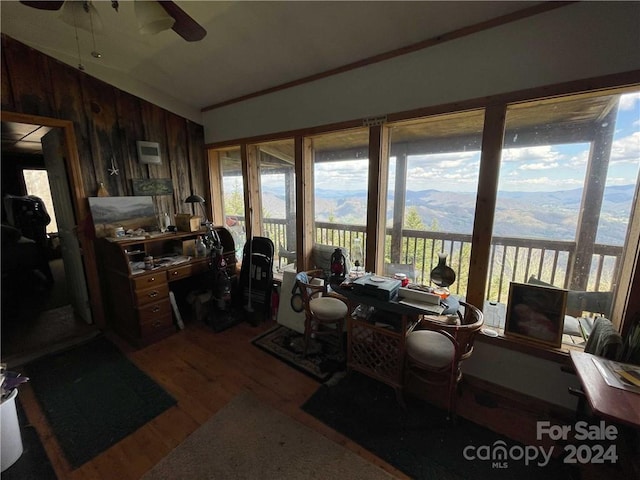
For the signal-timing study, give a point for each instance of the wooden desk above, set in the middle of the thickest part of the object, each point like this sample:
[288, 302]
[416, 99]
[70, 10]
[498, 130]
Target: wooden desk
[606, 401]
[137, 302]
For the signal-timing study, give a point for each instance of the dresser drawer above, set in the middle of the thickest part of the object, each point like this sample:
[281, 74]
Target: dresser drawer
[151, 295]
[149, 280]
[157, 326]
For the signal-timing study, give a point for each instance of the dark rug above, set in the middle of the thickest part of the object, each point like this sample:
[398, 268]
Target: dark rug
[34, 463]
[324, 357]
[93, 397]
[419, 440]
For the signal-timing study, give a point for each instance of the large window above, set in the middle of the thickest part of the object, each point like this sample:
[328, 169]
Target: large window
[564, 180]
[276, 165]
[341, 177]
[568, 178]
[233, 196]
[433, 179]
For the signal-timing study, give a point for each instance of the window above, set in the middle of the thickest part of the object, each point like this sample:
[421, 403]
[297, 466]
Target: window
[433, 178]
[340, 177]
[37, 183]
[276, 162]
[564, 182]
[233, 196]
[568, 178]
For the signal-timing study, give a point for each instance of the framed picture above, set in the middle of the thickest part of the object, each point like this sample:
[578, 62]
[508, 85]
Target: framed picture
[128, 212]
[536, 313]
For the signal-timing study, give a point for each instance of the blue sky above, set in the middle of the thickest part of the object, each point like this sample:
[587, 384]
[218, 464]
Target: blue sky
[530, 169]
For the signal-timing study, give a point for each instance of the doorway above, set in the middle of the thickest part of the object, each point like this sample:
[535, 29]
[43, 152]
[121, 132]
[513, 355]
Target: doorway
[39, 311]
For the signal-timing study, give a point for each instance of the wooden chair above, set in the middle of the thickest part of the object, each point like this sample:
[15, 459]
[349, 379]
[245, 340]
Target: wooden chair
[436, 350]
[325, 311]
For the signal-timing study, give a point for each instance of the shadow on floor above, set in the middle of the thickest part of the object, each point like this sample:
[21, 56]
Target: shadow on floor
[37, 319]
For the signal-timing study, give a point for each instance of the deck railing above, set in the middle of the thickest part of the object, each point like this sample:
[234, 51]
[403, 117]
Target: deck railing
[513, 259]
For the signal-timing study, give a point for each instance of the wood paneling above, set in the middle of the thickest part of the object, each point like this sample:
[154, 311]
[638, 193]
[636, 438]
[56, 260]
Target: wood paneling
[106, 122]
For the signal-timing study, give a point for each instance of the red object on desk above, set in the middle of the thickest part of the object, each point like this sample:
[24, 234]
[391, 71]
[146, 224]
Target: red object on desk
[606, 401]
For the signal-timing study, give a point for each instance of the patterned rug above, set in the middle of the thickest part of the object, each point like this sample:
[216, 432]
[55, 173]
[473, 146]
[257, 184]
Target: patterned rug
[324, 357]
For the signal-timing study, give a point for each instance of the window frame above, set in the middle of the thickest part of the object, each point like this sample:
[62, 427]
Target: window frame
[625, 309]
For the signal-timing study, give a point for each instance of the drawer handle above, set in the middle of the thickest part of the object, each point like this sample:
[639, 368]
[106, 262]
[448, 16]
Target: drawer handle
[156, 324]
[152, 279]
[156, 309]
[174, 273]
[153, 294]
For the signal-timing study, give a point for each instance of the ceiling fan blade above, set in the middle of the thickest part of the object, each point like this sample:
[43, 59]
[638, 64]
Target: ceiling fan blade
[185, 26]
[43, 5]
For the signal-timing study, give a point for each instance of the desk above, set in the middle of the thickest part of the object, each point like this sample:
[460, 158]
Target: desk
[606, 401]
[378, 351]
[138, 302]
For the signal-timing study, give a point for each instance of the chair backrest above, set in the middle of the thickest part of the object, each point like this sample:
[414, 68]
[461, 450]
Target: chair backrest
[321, 257]
[310, 284]
[471, 320]
[604, 340]
[579, 301]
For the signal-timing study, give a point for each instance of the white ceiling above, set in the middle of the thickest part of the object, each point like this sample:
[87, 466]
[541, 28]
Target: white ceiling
[250, 46]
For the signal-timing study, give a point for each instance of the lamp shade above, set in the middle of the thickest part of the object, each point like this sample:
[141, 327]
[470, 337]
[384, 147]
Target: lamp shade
[193, 198]
[152, 18]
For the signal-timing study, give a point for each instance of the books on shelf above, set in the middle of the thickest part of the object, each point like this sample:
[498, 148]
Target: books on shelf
[619, 375]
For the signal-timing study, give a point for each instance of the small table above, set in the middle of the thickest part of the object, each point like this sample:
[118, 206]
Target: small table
[375, 349]
[611, 403]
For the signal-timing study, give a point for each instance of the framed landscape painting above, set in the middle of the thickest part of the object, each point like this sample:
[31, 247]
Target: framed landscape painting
[536, 313]
[127, 212]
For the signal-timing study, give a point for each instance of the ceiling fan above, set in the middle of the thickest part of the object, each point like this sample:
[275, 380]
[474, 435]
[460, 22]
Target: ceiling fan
[182, 23]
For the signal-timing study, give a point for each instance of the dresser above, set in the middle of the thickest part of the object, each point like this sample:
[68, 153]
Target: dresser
[137, 299]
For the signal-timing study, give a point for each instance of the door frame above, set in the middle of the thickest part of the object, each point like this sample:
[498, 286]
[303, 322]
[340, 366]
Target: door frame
[78, 199]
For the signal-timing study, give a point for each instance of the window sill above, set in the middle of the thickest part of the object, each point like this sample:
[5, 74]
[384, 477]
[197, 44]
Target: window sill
[558, 355]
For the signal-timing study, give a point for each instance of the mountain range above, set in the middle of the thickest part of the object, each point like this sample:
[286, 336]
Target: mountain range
[544, 215]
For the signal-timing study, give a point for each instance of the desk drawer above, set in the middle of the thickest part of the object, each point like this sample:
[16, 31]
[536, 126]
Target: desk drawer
[151, 295]
[156, 326]
[149, 280]
[176, 273]
[154, 311]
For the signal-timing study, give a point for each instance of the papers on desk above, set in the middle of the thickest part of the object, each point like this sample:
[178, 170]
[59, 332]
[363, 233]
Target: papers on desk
[619, 375]
[139, 267]
[426, 307]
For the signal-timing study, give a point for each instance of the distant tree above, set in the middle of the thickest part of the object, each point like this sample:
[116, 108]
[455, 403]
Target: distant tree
[412, 220]
[234, 201]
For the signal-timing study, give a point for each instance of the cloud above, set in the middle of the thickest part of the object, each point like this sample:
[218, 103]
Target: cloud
[628, 101]
[539, 166]
[539, 154]
[626, 150]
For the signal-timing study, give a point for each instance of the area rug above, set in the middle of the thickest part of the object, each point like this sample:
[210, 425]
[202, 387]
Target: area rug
[93, 397]
[419, 441]
[248, 439]
[324, 357]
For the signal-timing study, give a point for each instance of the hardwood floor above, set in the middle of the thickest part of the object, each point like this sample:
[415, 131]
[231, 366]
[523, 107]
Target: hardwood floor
[203, 370]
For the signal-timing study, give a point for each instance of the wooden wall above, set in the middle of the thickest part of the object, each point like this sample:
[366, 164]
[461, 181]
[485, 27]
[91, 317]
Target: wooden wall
[107, 123]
